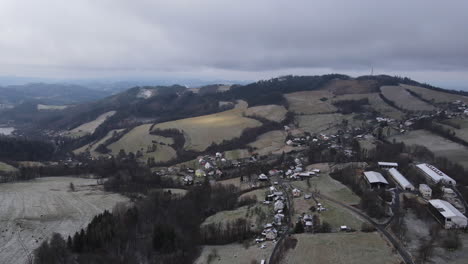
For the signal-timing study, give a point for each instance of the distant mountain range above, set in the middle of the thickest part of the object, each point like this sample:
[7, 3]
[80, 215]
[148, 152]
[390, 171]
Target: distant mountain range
[55, 94]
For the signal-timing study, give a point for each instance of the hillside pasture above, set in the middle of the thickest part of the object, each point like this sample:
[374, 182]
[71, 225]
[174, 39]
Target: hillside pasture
[91, 147]
[310, 102]
[404, 99]
[200, 132]
[4, 167]
[51, 107]
[236, 154]
[90, 127]
[435, 96]
[341, 248]
[375, 102]
[249, 213]
[440, 146]
[235, 253]
[340, 87]
[326, 123]
[270, 142]
[31, 211]
[327, 185]
[275, 113]
[139, 139]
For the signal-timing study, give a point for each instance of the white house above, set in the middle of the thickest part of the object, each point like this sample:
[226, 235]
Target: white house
[279, 205]
[296, 192]
[434, 175]
[387, 165]
[425, 191]
[375, 179]
[447, 215]
[401, 180]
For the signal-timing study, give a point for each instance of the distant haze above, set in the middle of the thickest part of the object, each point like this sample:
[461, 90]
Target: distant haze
[235, 40]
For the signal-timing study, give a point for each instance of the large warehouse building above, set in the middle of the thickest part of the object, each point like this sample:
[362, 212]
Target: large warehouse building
[434, 175]
[375, 179]
[401, 180]
[447, 215]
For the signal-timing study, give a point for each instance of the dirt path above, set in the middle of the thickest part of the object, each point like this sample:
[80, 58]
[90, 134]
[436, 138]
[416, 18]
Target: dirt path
[31, 211]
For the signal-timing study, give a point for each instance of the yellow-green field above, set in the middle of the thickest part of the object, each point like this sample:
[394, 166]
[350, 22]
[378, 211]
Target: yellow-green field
[139, 139]
[328, 186]
[339, 87]
[249, 213]
[90, 127]
[375, 102]
[436, 96]
[7, 168]
[235, 253]
[200, 132]
[341, 248]
[308, 102]
[326, 123]
[51, 107]
[92, 146]
[236, 154]
[440, 146]
[270, 142]
[274, 113]
[404, 99]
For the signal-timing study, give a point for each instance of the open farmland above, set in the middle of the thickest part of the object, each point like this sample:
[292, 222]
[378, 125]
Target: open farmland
[275, 113]
[91, 147]
[375, 102]
[309, 102]
[440, 146]
[325, 123]
[90, 127]
[235, 253]
[341, 248]
[339, 87]
[139, 139]
[404, 99]
[7, 168]
[31, 211]
[457, 126]
[435, 96]
[270, 142]
[257, 215]
[327, 185]
[51, 107]
[200, 132]
[236, 154]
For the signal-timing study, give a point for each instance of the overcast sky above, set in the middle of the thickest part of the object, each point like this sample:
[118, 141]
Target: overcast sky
[423, 39]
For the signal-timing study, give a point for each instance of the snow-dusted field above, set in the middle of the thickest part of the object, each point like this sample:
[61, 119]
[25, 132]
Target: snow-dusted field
[31, 211]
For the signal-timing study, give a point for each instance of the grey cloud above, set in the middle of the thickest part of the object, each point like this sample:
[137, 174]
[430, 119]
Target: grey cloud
[54, 37]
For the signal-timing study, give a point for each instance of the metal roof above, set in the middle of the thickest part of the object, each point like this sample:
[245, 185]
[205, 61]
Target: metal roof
[446, 209]
[400, 178]
[383, 163]
[375, 177]
[435, 174]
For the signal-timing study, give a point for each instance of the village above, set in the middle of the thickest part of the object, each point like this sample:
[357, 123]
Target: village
[297, 206]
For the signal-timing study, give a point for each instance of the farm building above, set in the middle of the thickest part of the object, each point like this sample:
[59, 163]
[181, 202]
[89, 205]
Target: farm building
[447, 215]
[434, 175]
[375, 179]
[401, 180]
[425, 191]
[387, 165]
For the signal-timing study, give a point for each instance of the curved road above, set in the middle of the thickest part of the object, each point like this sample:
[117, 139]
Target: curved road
[381, 228]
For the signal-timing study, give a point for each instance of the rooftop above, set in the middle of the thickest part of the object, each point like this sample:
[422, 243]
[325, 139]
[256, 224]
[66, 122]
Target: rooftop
[392, 164]
[400, 178]
[434, 173]
[446, 209]
[375, 177]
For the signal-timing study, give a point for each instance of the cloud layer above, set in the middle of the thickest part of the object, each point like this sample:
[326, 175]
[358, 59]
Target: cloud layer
[57, 38]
